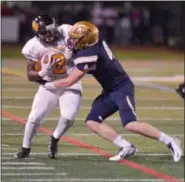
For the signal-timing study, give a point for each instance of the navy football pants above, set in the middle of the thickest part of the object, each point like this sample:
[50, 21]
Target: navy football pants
[121, 100]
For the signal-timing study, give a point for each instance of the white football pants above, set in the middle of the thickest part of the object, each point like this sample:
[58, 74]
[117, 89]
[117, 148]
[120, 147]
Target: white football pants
[45, 101]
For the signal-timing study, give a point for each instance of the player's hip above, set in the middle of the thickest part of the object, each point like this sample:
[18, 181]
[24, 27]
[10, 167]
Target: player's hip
[75, 87]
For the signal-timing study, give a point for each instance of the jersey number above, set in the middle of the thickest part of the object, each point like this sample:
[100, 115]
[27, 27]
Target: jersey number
[60, 63]
[107, 49]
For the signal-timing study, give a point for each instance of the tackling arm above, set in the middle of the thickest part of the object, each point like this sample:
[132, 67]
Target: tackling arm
[74, 76]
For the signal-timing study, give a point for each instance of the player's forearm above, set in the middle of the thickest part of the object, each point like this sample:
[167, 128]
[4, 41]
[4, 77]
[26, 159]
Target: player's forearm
[32, 74]
[57, 84]
[63, 83]
[75, 76]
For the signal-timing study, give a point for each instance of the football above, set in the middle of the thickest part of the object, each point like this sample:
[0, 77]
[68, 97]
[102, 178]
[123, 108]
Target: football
[45, 59]
[38, 66]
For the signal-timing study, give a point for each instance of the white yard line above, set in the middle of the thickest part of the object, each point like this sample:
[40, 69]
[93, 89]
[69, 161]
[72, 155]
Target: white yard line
[23, 163]
[4, 145]
[132, 135]
[109, 119]
[28, 168]
[59, 154]
[90, 154]
[7, 148]
[31, 89]
[91, 180]
[6, 158]
[78, 134]
[34, 174]
[88, 108]
[90, 98]
[12, 158]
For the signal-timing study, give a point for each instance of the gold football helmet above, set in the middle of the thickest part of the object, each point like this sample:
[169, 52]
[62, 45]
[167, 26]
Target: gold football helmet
[84, 34]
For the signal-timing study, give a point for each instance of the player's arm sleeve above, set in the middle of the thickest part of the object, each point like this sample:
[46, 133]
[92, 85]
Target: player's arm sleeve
[85, 61]
[28, 51]
[32, 57]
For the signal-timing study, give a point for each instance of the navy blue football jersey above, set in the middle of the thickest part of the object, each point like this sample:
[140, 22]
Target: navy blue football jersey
[99, 61]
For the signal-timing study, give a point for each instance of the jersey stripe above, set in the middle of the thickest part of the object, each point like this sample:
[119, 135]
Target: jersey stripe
[88, 59]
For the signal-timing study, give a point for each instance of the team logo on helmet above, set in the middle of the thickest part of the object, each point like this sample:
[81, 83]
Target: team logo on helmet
[35, 26]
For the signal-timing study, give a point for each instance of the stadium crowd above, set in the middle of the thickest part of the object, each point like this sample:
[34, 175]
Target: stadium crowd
[122, 23]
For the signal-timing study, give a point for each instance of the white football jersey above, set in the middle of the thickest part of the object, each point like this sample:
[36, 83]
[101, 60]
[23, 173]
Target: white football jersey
[35, 50]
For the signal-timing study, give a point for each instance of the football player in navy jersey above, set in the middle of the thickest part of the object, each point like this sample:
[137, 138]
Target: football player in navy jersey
[94, 57]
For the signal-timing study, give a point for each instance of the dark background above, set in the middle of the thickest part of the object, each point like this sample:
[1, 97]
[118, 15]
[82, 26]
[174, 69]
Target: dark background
[122, 23]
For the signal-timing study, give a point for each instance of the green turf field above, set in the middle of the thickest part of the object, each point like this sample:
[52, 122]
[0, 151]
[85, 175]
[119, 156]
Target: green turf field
[162, 109]
[126, 53]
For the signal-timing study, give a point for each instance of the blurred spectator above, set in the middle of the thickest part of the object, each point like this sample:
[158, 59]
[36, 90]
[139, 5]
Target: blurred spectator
[65, 15]
[144, 26]
[157, 21]
[119, 22]
[97, 17]
[81, 13]
[6, 10]
[135, 17]
[24, 24]
[123, 30]
[110, 16]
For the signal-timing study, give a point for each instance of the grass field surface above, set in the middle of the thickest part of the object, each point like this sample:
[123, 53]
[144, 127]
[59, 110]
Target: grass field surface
[83, 156]
[120, 53]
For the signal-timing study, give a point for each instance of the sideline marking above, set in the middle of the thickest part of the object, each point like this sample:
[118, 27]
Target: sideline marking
[99, 151]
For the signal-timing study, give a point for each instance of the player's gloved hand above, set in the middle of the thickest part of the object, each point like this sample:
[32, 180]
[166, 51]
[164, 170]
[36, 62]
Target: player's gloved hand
[50, 86]
[46, 66]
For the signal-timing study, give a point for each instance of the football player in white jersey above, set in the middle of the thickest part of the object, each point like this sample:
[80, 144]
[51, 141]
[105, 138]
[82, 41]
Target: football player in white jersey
[49, 36]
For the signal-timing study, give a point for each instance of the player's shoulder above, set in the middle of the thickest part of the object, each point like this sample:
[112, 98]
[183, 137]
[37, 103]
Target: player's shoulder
[88, 51]
[32, 48]
[64, 29]
[30, 44]
[87, 55]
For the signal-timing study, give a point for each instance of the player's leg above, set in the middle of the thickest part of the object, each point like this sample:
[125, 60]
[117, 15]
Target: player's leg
[69, 102]
[102, 108]
[44, 102]
[150, 131]
[128, 116]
